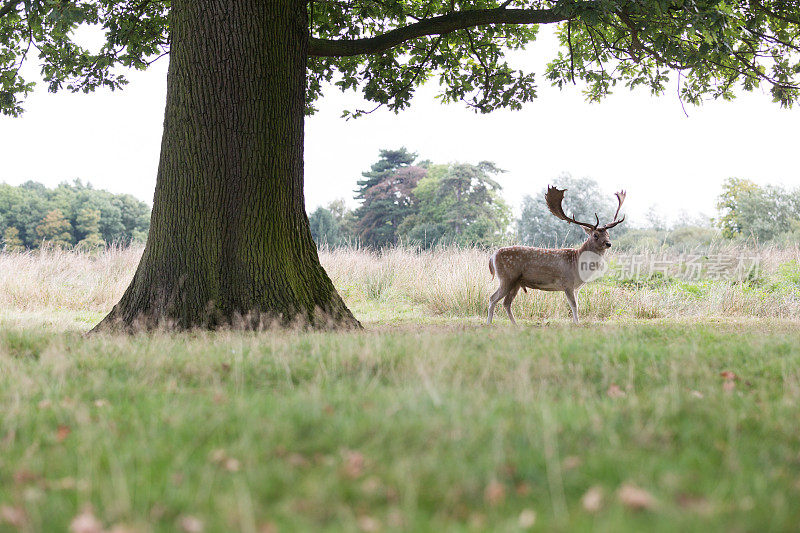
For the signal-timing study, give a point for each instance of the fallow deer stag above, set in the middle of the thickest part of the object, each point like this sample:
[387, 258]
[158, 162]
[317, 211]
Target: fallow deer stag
[563, 269]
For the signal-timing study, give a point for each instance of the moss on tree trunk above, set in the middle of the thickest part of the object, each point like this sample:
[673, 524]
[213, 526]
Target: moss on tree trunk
[229, 241]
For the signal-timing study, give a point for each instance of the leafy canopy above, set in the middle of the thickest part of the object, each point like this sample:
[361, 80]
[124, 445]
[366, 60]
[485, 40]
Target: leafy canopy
[387, 49]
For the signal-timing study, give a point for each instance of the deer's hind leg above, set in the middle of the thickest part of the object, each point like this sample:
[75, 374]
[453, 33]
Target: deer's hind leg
[498, 295]
[507, 302]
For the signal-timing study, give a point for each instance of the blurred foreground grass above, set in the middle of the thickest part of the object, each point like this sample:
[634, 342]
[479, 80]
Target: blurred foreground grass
[630, 425]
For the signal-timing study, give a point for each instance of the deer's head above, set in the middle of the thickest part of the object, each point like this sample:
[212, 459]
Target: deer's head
[598, 239]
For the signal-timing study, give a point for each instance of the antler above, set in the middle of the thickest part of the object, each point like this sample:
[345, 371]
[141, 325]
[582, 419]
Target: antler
[620, 198]
[553, 197]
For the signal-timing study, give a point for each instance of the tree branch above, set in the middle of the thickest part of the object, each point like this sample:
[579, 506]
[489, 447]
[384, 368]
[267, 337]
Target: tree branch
[433, 26]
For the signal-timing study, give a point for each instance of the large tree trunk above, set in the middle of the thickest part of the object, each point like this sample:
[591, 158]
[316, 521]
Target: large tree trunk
[229, 241]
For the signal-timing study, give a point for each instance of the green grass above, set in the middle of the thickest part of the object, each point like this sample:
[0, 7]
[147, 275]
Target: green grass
[418, 423]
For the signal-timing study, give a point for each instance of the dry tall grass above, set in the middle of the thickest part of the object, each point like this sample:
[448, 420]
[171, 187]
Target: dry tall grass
[55, 279]
[446, 282]
[456, 282]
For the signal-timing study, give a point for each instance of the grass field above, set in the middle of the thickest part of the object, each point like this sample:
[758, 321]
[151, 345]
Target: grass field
[654, 415]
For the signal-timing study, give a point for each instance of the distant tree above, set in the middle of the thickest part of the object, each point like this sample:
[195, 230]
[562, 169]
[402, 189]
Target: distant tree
[332, 225]
[135, 216]
[23, 207]
[389, 162]
[536, 226]
[730, 204]
[122, 218]
[345, 217]
[11, 240]
[325, 228]
[87, 222]
[458, 203]
[55, 228]
[748, 210]
[686, 219]
[388, 198]
[656, 219]
[87, 228]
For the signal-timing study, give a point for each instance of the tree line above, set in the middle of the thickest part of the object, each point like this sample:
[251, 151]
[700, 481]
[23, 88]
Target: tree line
[417, 202]
[72, 214]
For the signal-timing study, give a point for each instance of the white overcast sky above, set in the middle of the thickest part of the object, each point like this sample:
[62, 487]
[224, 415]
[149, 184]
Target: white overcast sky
[644, 144]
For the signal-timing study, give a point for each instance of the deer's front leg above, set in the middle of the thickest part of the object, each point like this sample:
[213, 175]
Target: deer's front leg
[572, 304]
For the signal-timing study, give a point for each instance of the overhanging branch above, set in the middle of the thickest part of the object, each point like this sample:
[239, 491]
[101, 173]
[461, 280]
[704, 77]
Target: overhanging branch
[432, 26]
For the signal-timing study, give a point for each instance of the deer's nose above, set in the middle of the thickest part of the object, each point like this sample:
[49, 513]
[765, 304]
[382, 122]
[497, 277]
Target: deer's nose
[608, 245]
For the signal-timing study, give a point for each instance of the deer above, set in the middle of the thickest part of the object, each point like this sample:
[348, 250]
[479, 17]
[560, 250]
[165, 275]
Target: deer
[547, 269]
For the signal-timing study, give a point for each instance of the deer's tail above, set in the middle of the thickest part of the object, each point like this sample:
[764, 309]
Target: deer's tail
[491, 265]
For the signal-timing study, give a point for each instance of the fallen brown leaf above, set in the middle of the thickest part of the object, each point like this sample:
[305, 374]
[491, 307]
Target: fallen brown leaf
[494, 493]
[522, 489]
[86, 522]
[22, 477]
[62, 433]
[231, 465]
[297, 460]
[615, 392]
[592, 500]
[635, 498]
[727, 374]
[219, 398]
[268, 527]
[221, 458]
[14, 516]
[218, 455]
[696, 504]
[368, 524]
[371, 485]
[191, 524]
[527, 518]
[354, 463]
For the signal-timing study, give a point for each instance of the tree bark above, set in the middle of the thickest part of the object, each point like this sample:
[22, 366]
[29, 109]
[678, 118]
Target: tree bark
[229, 242]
